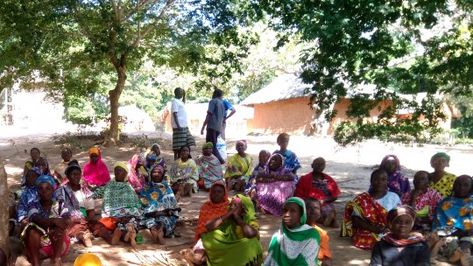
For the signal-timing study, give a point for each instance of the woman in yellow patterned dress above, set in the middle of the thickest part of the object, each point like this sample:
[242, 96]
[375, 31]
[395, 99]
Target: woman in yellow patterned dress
[439, 179]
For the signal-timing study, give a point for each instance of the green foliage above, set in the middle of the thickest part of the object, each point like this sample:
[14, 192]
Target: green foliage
[464, 124]
[78, 48]
[400, 47]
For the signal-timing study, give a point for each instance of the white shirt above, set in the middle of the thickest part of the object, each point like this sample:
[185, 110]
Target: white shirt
[390, 201]
[177, 106]
[87, 203]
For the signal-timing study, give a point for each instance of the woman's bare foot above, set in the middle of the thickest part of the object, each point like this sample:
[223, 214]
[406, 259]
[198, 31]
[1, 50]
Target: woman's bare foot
[193, 258]
[133, 238]
[188, 255]
[456, 256]
[465, 258]
[86, 238]
[158, 235]
[116, 236]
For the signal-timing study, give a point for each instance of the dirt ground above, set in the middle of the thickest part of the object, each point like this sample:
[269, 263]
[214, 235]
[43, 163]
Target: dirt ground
[350, 166]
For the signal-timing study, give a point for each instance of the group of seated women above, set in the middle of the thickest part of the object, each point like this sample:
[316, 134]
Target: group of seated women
[404, 226]
[391, 219]
[58, 207]
[55, 208]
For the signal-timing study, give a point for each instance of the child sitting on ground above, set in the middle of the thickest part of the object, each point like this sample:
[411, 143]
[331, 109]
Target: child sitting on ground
[291, 161]
[401, 246]
[313, 214]
[66, 155]
[250, 188]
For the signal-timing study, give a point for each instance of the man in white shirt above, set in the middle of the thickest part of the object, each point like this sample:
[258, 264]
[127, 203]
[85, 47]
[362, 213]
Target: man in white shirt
[181, 135]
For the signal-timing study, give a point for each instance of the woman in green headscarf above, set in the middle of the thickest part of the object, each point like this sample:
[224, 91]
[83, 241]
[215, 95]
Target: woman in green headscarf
[210, 168]
[296, 243]
[233, 238]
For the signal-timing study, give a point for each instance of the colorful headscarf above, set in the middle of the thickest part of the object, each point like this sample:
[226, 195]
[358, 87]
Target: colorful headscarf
[155, 145]
[46, 179]
[94, 150]
[301, 203]
[399, 211]
[124, 166]
[210, 210]
[157, 166]
[297, 246]
[414, 237]
[28, 165]
[440, 155]
[276, 155]
[208, 145]
[96, 173]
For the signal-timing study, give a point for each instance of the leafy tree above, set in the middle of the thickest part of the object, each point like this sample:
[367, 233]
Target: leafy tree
[80, 47]
[464, 124]
[384, 43]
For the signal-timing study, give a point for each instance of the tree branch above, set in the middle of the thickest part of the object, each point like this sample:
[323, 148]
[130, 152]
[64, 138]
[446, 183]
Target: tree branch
[151, 26]
[82, 28]
[138, 6]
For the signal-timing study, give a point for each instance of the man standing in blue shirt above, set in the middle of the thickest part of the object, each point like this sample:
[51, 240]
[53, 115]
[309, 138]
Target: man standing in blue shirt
[214, 121]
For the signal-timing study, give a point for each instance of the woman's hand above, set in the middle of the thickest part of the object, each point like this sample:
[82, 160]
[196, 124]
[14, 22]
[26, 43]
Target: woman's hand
[379, 229]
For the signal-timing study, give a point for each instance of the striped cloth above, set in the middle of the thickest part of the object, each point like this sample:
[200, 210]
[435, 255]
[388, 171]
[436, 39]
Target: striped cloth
[182, 137]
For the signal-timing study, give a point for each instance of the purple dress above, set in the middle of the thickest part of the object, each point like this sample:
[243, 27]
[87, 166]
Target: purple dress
[398, 183]
[272, 195]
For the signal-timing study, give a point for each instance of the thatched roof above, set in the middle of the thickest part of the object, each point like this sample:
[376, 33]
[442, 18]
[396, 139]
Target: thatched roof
[284, 87]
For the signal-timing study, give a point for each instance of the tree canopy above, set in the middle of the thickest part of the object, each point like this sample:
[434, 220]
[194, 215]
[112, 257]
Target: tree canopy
[89, 52]
[78, 48]
[400, 47]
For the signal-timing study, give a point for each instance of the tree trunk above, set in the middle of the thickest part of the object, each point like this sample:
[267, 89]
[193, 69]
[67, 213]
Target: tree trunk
[4, 211]
[114, 95]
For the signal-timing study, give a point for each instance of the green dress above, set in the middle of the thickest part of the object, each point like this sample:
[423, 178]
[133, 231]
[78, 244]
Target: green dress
[227, 245]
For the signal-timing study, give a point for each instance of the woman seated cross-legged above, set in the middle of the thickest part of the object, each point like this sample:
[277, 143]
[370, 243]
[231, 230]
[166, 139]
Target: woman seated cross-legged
[184, 174]
[454, 223]
[121, 209]
[365, 216]
[45, 236]
[78, 199]
[320, 186]
[160, 206]
[274, 185]
[233, 238]
[423, 200]
[239, 167]
[210, 168]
